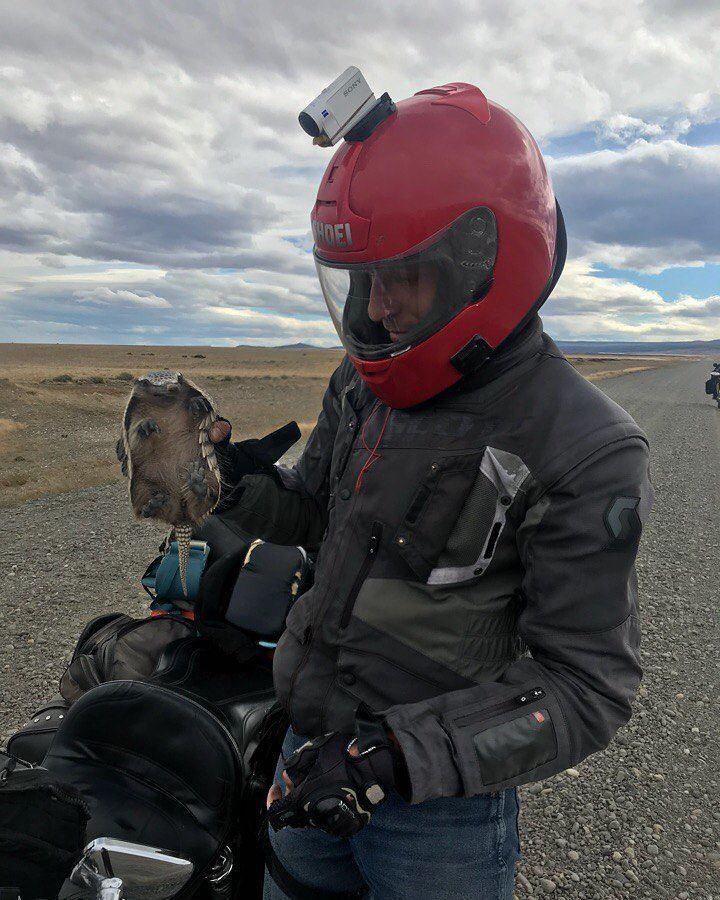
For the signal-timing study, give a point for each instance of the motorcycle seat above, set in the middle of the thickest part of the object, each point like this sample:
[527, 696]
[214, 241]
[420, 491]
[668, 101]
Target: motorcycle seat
[242, 693]
[156, 768]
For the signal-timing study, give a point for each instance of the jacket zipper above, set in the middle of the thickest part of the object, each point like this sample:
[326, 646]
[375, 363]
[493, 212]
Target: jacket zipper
[530, 696]
[373, 545]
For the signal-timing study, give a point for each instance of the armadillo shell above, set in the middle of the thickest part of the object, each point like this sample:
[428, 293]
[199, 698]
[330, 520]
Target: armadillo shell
[171, 463]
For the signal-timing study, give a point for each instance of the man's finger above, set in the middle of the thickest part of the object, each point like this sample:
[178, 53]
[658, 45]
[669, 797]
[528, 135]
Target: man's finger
[219, 431]
[288, 784]
[275, 793]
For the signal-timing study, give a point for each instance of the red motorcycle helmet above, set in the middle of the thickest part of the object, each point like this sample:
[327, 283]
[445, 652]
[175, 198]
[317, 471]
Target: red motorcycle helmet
[437, 235]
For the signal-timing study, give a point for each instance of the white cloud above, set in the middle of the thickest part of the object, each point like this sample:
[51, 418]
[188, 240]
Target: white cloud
[143, 142]
[584, 307]
[102, 296]
[647, 206]
[282, 329]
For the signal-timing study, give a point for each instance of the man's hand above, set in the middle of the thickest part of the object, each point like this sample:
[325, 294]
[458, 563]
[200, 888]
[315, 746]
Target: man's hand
[220, 431]
[275, 792]
[249, 457]
[333, 785]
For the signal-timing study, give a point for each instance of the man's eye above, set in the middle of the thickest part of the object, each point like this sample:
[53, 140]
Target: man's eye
[393, 279]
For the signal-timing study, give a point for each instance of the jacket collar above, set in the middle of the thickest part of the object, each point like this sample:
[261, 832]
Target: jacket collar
[519, 348]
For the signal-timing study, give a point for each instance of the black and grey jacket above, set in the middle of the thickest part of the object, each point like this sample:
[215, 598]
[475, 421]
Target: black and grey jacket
[476, 578]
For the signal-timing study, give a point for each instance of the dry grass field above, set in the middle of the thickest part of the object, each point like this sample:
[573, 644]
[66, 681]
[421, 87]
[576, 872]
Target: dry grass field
[61, 404]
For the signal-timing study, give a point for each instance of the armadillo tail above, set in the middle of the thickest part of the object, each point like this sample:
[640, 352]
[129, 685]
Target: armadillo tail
[183, 533]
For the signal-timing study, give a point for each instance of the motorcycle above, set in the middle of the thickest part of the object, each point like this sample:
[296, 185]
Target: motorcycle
[712, 385]
[174, 772]
[174, 767]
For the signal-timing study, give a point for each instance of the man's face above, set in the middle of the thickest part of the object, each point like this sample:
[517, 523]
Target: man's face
[400, 298]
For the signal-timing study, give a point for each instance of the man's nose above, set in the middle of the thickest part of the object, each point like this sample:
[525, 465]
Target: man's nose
[379, 304]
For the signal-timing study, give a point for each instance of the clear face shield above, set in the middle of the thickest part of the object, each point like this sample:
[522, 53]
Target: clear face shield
[381, 309]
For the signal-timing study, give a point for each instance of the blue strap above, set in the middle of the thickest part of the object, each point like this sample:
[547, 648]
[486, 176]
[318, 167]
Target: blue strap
[162, 577]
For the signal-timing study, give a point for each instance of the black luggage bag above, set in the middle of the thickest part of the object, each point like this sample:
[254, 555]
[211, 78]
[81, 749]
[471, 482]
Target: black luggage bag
[43, 824]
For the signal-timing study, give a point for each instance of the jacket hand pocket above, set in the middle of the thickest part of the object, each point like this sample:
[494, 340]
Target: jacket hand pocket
[513, 748]
[504, 744]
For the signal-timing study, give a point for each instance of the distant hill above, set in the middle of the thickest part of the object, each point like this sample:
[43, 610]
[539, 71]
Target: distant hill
[302, 346]
[299, 346]
[595, 347]
[599, 347]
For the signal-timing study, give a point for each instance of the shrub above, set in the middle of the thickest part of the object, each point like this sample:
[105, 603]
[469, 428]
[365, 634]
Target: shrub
[125, 376]
[63, 379]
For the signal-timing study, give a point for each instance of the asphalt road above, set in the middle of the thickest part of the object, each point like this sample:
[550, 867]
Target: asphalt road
[640, 819]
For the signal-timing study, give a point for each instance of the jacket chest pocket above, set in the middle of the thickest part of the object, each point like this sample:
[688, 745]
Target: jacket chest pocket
[435, 506]
[452, 527]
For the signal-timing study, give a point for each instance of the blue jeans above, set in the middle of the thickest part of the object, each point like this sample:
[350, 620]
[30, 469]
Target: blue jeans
[451, 848]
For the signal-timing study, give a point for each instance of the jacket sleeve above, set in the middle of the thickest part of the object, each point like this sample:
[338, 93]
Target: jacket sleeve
[565, 698]
[290, 506]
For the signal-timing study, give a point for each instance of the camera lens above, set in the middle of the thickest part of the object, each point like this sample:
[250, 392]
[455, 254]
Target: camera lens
[308, 124]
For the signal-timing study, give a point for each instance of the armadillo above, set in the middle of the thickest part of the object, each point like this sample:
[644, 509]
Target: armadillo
[167, 455]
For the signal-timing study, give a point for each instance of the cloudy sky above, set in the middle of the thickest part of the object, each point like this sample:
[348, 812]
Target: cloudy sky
[155, 186]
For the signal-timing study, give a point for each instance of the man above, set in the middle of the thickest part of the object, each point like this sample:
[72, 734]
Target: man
[712, 385]
[478, 506]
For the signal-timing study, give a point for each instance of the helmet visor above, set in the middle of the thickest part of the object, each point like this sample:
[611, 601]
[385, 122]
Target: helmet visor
[382, 308]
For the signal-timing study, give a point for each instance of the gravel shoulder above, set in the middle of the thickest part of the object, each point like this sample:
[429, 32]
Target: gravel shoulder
[641, 818]
[638, 820]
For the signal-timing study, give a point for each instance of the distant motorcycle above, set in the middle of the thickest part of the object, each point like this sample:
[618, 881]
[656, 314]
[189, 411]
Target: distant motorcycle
[712, 385]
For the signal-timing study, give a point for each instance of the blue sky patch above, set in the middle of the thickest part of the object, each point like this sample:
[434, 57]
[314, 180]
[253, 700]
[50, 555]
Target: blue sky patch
[585, 141]
[705, 134]
[696, 281]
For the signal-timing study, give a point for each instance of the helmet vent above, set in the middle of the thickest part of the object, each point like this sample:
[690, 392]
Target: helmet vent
[463, 96]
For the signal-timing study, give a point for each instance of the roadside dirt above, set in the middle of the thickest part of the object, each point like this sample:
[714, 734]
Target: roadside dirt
[61, 404]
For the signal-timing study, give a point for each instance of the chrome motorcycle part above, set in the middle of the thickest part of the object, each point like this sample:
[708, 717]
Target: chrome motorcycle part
[143, 872]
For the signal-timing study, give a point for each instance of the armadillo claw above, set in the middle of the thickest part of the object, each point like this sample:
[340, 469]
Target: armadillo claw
[197, 482]
[154, 505]
[199, 407]
[147, 426]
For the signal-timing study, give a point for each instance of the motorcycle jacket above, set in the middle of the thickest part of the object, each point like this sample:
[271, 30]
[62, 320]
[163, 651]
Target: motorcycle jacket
[476, 579]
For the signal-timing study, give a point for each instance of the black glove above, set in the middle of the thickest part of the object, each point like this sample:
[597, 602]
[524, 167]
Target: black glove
[250, 457]
[333, 790]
